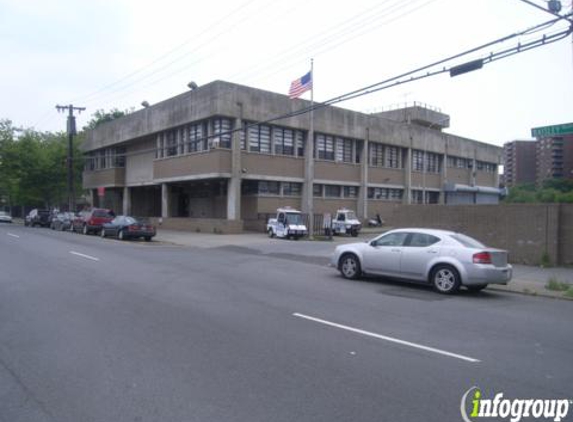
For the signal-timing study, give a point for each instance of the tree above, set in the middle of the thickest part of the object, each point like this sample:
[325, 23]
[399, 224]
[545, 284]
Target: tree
[101, 116]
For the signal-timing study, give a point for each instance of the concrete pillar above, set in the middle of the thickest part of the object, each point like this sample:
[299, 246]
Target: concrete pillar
[165, 201]
[307, 188]
[362, 211]
[407, 199]
[126, 201]
[234, 184]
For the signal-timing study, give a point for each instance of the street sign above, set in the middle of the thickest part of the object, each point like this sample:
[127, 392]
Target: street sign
[549, 131]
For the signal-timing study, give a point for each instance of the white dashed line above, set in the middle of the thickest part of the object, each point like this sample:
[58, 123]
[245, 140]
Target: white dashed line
[13, 235]
[386, 338]
[93, 258]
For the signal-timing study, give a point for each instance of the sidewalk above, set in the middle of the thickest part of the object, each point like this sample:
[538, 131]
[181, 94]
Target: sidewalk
[526, 279]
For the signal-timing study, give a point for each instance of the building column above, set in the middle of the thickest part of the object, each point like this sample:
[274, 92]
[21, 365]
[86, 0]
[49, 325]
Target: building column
[126, 201]
[408, 185]
[307, 188]
[234, 184]
[362, 210]
[443, 179]
[165, 198]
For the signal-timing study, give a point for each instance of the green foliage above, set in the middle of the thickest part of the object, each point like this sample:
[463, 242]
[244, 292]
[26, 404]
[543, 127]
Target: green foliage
[569, 292]
[556, 285]
[102, 116]
[33, 167]
[545, 261]
[552, 191]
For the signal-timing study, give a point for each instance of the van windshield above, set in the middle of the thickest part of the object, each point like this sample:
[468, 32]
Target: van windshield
[294, 218]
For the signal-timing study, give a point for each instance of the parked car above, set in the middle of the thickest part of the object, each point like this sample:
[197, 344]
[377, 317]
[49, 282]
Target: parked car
[126, 227]
[88, 222]
[38, 217]
[444, 259]
[5, 217]
[62, 221]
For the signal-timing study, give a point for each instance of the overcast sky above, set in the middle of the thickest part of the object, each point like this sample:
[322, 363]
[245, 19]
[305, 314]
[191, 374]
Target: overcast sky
[107, 54]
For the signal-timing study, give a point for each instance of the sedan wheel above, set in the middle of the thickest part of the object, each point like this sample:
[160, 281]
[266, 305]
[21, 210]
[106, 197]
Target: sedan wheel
[445, 279]
[350, 266]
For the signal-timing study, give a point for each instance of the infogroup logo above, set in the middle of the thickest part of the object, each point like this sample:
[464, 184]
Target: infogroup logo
[513, 410]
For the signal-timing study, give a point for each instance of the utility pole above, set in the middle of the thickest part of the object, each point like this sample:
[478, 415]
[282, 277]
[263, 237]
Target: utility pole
[71, 129]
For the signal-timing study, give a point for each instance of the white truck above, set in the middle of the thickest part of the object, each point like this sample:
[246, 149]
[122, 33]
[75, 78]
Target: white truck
[344, 222]
[288, 224]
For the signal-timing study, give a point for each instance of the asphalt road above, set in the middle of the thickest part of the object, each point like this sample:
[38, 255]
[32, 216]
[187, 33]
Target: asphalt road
[100, 330]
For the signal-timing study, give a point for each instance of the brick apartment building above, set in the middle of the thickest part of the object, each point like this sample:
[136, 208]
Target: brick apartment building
[549, 156]
[210, 153]
[519, 162]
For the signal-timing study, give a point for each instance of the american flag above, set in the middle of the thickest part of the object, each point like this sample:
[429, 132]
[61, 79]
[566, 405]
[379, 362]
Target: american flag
[300, 86]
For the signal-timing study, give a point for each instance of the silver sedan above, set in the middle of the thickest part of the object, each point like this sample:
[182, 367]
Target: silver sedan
[444, 259]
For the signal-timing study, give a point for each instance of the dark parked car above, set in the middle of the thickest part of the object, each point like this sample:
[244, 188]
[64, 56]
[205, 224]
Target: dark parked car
[91, 221]
[62, 221]
[38, 217]
[126, 227]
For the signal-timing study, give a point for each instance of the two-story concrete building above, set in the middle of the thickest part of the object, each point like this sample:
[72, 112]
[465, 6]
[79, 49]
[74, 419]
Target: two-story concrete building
[230, 152]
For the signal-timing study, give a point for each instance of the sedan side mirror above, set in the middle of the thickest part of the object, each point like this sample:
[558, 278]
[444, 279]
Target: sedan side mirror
[373, 243]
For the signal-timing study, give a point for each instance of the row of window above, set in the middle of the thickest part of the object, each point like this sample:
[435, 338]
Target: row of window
[467, 163]
[105, 158]
[386, 194]
[334, 191]
[426, 161]
[265, 187]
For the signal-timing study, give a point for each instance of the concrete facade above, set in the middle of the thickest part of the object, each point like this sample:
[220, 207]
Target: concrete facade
[219, 151]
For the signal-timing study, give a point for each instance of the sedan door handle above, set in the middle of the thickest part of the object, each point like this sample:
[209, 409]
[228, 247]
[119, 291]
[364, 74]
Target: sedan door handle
[395, 250]
[432, 251]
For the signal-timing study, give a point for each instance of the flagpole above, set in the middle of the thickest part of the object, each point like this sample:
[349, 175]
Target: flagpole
[310, 168]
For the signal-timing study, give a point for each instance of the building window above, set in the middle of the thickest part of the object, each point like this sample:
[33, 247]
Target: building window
[385, 194]
[432, 162]
[196, 138]
[351, 191]
[325, 147]
[392, 157]
[222, 133]
[299, 136]
[119, 157]
[292, 189]
[260, 139]
[376, 155]
[244, 137]
[417, 160]
[317, 190]
[283, 140]
[332, 191]
[269, 188]
[344, 150]
[171, 143]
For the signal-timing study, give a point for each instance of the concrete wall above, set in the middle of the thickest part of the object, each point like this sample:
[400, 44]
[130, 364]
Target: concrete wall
[139, 162]
[526, 231]
[343, 172]
[199, 225]
[271, 165]
[214, 163]
[104, 178]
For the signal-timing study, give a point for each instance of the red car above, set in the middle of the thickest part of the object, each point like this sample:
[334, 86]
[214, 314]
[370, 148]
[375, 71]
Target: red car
[91, 221]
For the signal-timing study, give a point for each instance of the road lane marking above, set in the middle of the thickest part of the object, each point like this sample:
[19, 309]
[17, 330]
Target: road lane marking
[93, 258]
[390, 339]
[13, 235]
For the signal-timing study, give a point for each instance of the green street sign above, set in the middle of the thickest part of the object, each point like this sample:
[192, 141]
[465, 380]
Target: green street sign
[549, 131]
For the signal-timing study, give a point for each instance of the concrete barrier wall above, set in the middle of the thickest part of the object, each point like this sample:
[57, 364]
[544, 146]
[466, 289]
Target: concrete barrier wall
[527, 231]
[200, 225]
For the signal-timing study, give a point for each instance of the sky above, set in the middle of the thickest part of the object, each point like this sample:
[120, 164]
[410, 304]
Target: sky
[106, 54]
